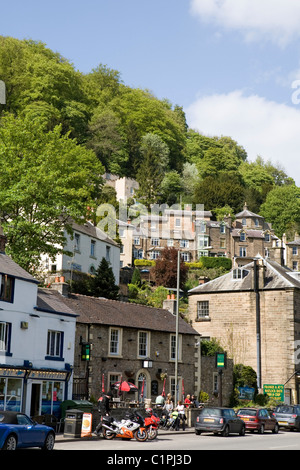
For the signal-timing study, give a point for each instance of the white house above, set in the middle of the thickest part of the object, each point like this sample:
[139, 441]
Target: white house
[88, 245]
[37, 334]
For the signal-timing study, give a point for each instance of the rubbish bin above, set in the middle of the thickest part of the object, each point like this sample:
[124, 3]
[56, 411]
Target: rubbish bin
[83, 405]
[73, 423]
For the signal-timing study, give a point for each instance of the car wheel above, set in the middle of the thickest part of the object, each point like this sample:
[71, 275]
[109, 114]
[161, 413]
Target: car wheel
[242, 431]
[276, 429]
[197, 432]
[10, 443]
[49, 442]
[225, 432]
[261, 429]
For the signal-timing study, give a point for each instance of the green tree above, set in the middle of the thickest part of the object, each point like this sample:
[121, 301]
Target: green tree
[42, 84]
[282, 208]
[46, 178]
[210, 347]
[103, 284]
[136, 278]
[226, 189]
[151, 171]
[171, 187]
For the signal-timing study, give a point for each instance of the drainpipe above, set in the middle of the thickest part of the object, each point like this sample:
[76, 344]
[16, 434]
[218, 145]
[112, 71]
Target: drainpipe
[258, 332]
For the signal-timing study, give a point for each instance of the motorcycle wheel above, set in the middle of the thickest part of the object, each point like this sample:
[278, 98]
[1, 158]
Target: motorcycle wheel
[152, 434]
[108, 434]
[141, 435]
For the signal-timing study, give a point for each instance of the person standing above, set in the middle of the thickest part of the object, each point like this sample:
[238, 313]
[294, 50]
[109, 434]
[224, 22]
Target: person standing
[181, 415]
[103, 409]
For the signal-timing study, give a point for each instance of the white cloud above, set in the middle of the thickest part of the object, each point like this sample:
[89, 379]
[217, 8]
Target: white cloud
[275, 20]
[262, 127]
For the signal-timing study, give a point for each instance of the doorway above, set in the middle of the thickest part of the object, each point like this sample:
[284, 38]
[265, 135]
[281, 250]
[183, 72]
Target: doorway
[35, 399]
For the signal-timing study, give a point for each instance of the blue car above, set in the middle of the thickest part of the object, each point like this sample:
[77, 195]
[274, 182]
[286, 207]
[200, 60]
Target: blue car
[17, 431]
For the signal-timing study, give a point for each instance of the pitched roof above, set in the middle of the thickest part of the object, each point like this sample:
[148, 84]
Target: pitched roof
[247, 213]
[89, 229]
[276, 277]
[49, 300]
[94, 310]
[8, 266]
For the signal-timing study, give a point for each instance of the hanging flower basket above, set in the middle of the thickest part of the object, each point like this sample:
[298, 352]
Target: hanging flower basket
[163, 376]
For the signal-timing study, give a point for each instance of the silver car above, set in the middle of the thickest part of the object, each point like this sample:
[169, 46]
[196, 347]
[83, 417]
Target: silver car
[288, 416]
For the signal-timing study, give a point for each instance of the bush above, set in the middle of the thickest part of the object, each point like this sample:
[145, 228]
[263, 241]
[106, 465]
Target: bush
[218, 262]
[144, 262]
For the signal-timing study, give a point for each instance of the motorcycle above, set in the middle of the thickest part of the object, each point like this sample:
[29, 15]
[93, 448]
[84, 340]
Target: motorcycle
[151, 424]
[126, 429]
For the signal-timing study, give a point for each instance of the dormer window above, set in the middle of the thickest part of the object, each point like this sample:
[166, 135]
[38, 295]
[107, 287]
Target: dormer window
[243, 236]
[239, 274]
[244, 221]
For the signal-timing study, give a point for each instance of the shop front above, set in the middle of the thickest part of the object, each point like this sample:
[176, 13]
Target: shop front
[36, 392]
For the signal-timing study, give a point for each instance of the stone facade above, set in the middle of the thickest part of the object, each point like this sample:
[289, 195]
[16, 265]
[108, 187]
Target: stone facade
[232, 306]
[123, 337]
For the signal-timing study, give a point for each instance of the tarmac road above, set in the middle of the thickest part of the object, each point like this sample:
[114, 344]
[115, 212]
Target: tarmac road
[179, 442]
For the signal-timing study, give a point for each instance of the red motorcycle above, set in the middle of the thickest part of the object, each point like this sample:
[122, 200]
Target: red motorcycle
[151, 424]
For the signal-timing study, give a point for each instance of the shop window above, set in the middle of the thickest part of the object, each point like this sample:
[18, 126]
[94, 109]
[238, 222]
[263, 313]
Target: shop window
[10, 394]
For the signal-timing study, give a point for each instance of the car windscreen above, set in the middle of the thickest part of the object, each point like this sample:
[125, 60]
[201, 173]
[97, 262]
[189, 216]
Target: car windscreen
[247, 412]
[210, 412]
[284, 409]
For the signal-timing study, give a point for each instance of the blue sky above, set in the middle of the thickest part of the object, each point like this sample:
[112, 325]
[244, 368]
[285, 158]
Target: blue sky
[231, 64]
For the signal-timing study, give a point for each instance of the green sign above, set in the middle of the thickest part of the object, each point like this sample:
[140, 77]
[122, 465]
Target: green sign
[221, 360]
[274, 391]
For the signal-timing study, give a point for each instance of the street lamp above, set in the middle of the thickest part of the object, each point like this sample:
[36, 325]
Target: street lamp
[177, 324]
[2, 93]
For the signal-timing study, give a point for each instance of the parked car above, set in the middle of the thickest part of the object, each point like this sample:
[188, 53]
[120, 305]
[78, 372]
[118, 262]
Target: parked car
[219, 420]
[17, 430]
[258, 419]
[288, 416]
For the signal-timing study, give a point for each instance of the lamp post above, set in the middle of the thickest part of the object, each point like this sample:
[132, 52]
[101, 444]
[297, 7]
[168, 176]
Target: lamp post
[177, 325]
[2, 93]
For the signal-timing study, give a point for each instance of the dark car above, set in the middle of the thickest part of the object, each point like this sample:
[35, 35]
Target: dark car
[258, 419]
[219, 420]
[17, 430]
[288, 416]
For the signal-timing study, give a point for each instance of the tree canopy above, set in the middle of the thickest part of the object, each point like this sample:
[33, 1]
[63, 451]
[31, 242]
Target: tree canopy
[80, 126]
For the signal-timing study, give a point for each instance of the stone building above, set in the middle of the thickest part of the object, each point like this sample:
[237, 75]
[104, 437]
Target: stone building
[254, 311]
[131, 342]
[292, 253]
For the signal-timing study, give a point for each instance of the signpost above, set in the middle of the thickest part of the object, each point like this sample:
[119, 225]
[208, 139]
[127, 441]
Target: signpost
[221, 363]
[274, 391]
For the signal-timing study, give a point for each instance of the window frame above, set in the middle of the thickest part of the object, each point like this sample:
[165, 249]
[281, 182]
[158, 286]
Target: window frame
[143, 344]
[55, 345]
[203, 310]
[5, 338]
[117, 352]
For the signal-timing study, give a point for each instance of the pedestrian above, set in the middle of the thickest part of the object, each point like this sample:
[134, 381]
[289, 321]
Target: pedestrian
[160, 401]
[103, 409]
[181, 415]
[187, 401]
[168, 406]
[194, 401]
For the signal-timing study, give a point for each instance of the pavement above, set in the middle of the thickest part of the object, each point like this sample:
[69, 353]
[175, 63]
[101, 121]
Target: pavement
[61, 438]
